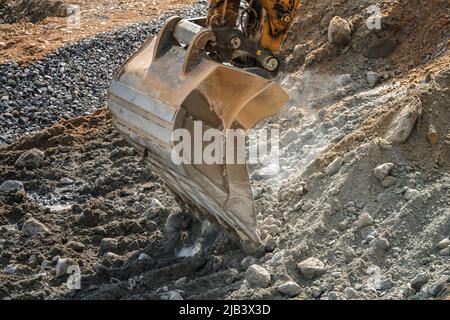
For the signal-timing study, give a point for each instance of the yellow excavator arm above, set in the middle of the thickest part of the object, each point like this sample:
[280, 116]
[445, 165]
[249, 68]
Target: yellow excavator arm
[268, 21]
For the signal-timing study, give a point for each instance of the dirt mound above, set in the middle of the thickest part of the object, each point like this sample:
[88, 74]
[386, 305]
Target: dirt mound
[31, 10]
[430, 140]
[410, 33]
[106, 213]
[374, 234]
[434, 120]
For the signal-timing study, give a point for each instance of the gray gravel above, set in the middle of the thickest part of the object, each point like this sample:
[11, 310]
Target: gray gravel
[72, 81]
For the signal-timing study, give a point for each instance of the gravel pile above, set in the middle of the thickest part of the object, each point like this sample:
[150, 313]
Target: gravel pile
[30, 10]
[70, 82]
[358, 217]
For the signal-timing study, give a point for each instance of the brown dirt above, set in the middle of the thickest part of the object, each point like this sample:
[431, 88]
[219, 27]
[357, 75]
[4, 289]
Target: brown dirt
[419, 29]
[112, 192]
[378, 122]
[26, 42]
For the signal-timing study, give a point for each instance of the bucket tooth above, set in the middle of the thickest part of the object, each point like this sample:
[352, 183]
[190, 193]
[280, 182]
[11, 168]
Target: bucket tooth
[170, 84]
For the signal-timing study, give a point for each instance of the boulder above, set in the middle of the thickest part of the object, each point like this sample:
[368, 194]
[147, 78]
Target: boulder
[31, 159]
[32, 227]
[334, 166]
[257, 276]
[11, 186]
[403, 124]
[301, 51]
[311, 268]
[289, 288]
[383, 170]
[364, 220]
[339, 31]
[373, 78]
[61, 267]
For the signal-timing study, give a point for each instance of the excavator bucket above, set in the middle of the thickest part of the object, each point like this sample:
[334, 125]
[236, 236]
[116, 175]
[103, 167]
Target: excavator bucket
[169, 84]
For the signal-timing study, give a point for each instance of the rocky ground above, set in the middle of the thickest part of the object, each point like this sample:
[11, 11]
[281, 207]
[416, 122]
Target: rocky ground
[359, 210]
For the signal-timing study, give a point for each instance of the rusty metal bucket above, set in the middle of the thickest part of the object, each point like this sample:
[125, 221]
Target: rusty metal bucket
[170, 84]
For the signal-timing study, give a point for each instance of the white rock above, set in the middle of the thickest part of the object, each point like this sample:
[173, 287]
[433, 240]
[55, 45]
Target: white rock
[270, 170]
[10, 269]
[334, 166]
[373, 78]
[445, 243]
[175, 296]
[257, 276]
[11, 186]
[311, 268]
[142, 257]
[411, 194]
[66, 181]
[382, 171]
[155, 208]
[339, 31]
[112, 256]
[289, 288]
[9, 227]
[180, 282]
[310, 58]
[32, 227]
[30, 159]
[61, 267]
[364, 220]
[257, 193]
[156, 204]
[344, 79]
[404, 123]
